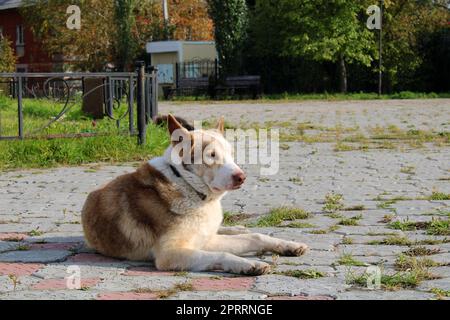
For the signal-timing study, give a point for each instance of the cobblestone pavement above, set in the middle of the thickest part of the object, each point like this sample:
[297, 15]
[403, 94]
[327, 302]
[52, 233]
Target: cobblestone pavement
[386, 218]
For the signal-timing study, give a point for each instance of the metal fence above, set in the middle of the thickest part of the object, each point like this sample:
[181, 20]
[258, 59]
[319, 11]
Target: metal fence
[197, 69]
[123, 97]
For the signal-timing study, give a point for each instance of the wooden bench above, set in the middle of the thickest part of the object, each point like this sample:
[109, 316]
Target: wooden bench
[242, 85]
[237, 85]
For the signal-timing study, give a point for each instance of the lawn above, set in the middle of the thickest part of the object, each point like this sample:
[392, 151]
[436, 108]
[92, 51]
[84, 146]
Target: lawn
[293, 97]
[112, 144]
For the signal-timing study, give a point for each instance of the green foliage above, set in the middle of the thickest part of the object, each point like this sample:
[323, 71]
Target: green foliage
[124, 43]
[307, 45]
[7, 57]
[230, 31]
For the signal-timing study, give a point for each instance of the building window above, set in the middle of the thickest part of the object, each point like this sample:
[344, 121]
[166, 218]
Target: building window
[19, 35]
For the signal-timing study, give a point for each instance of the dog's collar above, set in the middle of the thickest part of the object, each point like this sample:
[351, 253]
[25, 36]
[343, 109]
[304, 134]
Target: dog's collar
[178, 175]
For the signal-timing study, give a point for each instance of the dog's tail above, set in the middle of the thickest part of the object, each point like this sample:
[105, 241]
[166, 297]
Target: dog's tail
[162, 120]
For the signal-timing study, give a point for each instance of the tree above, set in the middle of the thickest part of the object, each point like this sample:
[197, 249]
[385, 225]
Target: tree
[407, 25]
[324, 30]
[87, 49]
[124, 44]
[230, 20]
[113, 31]
[7, 57]
[191, 20]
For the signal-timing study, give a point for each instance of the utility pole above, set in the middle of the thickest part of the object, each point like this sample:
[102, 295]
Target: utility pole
[166, 19]
[380, 72]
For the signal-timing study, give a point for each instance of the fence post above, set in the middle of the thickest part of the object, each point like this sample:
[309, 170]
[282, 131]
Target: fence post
[20, 106]
[142, 127]
[131, 105]
[155, 92]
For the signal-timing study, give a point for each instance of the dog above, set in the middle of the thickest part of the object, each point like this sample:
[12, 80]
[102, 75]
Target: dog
[169, 210]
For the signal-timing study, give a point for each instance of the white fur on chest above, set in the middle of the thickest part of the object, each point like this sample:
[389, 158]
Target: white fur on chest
[202, 224]
[200, 219]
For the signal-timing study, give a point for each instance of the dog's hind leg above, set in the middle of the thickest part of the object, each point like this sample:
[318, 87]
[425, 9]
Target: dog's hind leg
[178, 259]
[255, 242]
[233, 230]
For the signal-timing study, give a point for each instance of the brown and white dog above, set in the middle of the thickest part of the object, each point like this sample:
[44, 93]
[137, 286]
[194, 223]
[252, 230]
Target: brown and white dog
[170, 212]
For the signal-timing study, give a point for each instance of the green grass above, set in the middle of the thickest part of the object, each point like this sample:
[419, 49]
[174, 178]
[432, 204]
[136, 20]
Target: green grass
[302, 274]
[403, 241]
[278, 215]
[35, 233]
[358, 207]
[433, 227]
[405, 263]
[110, 146]
[396, 281]
[439, 196]
[283, 97]
[348, 260]
[440, 293]
[421, 251]
[333, 202]
[353, 221]
[232, 219]
[300, 225]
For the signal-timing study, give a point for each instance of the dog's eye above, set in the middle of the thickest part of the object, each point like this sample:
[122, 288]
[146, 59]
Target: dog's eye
[213, 154]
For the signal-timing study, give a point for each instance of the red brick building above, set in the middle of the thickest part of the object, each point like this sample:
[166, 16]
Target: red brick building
[31, 57]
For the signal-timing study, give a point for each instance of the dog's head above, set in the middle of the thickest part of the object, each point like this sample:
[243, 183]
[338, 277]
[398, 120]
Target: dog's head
[207, 154]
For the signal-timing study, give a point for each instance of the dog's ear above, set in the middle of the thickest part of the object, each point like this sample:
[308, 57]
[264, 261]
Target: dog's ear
[173, 124]
[221, 125]
[177, 132]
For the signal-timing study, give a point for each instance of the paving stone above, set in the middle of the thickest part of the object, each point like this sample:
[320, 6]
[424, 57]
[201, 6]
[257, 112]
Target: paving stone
[384, 295]
[12, 235]
[312, 258]
[224, 284]
[7, 246]
[31, 256]
[49, 295]
[62, 284]
[281, 285]
[441, 271]
[62, 270]
[301, 298]
[19, 269]
[371, 250]
[443, 284]
[218, 295]
[126, 296]
[127, 283]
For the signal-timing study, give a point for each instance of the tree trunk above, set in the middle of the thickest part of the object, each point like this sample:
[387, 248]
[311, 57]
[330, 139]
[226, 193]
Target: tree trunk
[343, 75]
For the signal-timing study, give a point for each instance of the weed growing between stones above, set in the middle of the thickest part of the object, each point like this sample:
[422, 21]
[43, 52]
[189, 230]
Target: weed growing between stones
[353, 221]
[278, 215]
[333, 202]
[421, 251]
[433, 227]
[302, 274]
[348, 260]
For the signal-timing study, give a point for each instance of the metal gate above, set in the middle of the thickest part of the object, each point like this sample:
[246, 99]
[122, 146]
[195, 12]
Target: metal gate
[129, 99]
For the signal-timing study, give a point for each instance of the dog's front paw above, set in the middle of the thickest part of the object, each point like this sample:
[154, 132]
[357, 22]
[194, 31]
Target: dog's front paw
[256, 268]
[293, 249]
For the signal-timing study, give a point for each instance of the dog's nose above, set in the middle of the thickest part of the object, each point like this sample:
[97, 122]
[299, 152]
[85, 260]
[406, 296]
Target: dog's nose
[239, 178]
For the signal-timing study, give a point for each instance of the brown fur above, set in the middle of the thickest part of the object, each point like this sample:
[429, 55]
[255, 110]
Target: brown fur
[142, 197]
